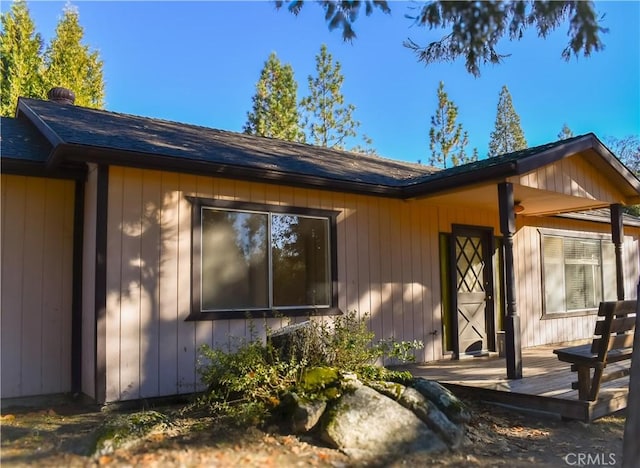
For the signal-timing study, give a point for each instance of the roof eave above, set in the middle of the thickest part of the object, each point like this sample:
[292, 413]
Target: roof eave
[554, 154]
[69, 152]
[587, 142]
[38, 169]
[52, 137]
[432, 187]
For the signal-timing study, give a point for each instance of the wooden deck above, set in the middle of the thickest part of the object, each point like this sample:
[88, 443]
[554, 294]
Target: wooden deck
[545, 386]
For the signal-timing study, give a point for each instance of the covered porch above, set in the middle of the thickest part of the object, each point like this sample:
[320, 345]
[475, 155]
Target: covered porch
[545, 385]
[524, 188]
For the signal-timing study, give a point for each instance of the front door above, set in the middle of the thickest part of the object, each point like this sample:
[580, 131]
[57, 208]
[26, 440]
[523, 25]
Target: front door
[472, 277]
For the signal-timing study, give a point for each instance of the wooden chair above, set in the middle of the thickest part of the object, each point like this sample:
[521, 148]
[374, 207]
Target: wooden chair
[612, 342]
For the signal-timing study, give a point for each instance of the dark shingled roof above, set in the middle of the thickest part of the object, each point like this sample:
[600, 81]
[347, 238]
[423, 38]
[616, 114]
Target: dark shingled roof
[20, 140]
[499, 160]
[78, 134]
[142, 136]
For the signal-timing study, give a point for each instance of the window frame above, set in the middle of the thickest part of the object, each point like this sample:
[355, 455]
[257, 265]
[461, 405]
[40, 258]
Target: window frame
[198, 314]
[565, 234]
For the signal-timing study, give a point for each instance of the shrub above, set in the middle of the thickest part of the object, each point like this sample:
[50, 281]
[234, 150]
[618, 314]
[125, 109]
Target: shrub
[248, 383]
[346, 343]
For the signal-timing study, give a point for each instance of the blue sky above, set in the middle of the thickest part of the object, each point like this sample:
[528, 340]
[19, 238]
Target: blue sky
[198, 62]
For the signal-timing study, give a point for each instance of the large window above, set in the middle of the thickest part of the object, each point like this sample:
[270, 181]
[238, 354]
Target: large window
[578, 273]
[261, 260]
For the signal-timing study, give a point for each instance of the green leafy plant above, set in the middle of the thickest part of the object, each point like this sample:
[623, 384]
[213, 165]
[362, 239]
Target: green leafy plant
[248, 383]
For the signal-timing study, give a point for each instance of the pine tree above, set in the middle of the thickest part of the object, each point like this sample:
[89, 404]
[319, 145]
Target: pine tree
[20, 58]
[366, 147]
[507, 135]
[275, 105]
[72, 65]
[328, 120]
[627, 150]
[447, 140]
[472, 30]
[565, 133]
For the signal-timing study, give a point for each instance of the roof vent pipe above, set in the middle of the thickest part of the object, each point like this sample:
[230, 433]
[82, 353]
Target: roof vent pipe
[61, 95]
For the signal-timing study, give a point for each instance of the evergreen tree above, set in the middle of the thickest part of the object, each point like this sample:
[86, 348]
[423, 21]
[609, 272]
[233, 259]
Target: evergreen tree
[366, 147]
[627, 150]
[447, 140]
[565, 133]
[275, 105]
[473, 29]
[329, 120]
[20, 58]
[70, 64]
[507, 135]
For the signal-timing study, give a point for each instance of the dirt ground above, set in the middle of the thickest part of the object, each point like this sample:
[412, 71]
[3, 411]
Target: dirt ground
[61, 435]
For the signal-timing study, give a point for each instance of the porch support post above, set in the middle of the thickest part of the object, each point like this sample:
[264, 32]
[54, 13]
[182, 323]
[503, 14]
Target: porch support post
[513, 346]
[617, 236]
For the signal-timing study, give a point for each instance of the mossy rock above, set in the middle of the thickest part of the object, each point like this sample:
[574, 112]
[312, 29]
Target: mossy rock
[321, 383]
[317, 378]
[392, 390]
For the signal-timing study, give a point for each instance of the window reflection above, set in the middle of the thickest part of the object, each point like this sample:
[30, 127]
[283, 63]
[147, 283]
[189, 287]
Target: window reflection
[234, 260]
[300, 261]
[260, 260]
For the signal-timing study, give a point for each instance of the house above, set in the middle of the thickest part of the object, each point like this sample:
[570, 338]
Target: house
[128, 242]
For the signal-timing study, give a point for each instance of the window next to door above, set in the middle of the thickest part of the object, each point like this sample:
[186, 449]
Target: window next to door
[578, 272]
[261, 260]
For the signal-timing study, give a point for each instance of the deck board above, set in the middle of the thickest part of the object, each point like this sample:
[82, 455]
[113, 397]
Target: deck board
[545, 386]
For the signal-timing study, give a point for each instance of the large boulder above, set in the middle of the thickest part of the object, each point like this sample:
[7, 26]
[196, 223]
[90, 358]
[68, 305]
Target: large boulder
[446, 401]
[367, 425]
[435, 419]
[306, 413]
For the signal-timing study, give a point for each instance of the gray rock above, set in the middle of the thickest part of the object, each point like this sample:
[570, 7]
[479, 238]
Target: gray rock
[306, 414]
[451, 433]
[350, 382]
[446, 401]
[392, 390]
[367, 425]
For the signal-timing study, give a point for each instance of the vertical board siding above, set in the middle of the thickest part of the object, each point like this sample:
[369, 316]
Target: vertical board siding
[186, 330]
[149, 279]
[573, 176]
[37, 244]
[536, 330]
[14, 195]
[388, 267]
[32, 277]
[387, 251]
[168, 286]
[114, 284]
[386, 283]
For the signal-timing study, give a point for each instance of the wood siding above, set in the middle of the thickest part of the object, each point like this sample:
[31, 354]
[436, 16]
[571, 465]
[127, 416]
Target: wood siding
[388, 268]
[37, 253]
[536, 330]
[574, 176]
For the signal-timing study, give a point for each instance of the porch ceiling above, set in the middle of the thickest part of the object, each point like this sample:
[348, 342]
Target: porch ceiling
[536, 202]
